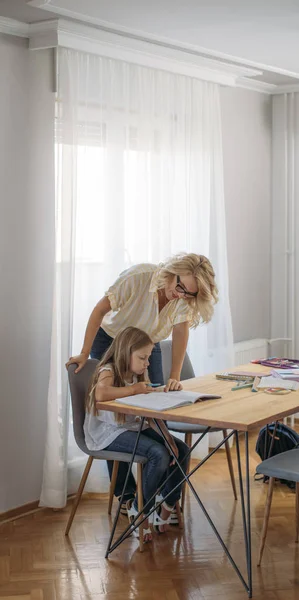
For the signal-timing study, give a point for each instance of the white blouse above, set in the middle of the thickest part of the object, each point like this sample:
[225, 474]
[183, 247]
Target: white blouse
[134, 301]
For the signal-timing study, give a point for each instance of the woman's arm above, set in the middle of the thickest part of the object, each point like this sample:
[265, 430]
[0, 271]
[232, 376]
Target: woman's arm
[94, 323]
[180, 335]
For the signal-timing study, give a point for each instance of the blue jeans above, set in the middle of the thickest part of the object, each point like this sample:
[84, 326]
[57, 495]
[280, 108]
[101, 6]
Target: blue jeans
[101, 343]
[151, 445]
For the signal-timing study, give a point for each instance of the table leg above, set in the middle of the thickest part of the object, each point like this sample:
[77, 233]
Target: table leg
[124, 488]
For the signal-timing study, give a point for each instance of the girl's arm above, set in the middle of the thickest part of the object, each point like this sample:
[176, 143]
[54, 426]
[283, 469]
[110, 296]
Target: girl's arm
[180, 335]
[105, 389]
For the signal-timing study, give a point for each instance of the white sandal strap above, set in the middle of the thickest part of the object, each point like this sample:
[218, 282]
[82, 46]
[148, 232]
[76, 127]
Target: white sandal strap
[132, 512]
[158, 521]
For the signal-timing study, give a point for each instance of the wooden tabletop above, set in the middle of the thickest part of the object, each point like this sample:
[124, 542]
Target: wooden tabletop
[242, 409]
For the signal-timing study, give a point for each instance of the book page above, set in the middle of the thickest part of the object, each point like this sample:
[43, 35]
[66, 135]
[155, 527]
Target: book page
[164, 400]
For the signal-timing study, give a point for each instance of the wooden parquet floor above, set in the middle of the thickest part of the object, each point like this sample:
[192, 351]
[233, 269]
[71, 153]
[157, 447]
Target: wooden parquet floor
[37, 562]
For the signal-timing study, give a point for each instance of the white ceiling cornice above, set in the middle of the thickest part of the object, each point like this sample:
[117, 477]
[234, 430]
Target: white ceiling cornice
[114, 27]
[131, 48]
[12, 27]
[71, 34]
[257, 86]
[287, 89]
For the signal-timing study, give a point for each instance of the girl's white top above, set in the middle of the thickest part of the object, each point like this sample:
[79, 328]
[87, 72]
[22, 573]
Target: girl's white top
[102, 429]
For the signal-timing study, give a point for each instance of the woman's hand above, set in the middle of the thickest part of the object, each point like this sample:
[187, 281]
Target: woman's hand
[79, 360]
[140, 388]
[173, 385]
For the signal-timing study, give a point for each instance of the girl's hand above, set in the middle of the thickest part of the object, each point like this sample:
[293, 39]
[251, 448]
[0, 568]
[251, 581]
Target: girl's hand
[80, 360]
[141, 388]
[173, 386]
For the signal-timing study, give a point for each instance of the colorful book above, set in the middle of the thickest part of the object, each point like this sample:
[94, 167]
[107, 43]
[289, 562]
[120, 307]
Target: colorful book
[247, 376]
[278, 363]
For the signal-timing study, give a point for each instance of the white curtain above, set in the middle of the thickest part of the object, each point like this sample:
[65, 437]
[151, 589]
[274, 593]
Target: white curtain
[139, 177]
[285, 226]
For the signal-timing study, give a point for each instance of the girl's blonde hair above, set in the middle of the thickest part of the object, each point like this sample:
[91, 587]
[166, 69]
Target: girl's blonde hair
[118, 356]
[201, 307]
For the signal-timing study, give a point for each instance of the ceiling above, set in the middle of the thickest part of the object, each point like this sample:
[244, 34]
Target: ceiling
[258, 33]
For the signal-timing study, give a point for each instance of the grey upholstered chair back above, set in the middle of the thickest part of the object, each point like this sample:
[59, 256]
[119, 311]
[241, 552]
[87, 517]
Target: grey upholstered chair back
[79, 383]
[187, 369]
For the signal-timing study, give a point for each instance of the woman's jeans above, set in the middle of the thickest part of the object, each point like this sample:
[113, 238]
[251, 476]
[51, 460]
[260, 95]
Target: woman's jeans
[101, 343]
[151, 445]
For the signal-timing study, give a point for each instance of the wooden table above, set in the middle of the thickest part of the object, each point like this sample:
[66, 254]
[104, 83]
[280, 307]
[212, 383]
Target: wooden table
[240, 411]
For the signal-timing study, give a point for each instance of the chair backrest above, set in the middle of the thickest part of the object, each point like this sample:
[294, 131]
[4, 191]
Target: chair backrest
[187, 369]
[79, 383]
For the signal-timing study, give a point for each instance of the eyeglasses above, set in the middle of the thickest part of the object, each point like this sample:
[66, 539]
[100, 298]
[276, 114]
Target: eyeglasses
[182, 290]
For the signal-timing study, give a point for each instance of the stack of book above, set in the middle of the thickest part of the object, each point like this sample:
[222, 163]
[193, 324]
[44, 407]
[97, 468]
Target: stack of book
[290, 374]
[247, 376]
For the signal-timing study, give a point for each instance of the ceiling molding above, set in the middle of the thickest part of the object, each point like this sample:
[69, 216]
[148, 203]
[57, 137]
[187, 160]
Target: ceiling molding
[256, 85]
[286, 89]
[70, 34]
[53, 6]
[150, 52]
[40, 4]
[12, 27]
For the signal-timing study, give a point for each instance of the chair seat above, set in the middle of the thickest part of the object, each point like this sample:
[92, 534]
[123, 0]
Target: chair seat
[119, 456]
[189, 427]
[281, 466]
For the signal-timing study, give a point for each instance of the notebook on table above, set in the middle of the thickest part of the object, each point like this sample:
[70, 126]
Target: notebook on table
[165, 400]
[247, 376]
[292, 374]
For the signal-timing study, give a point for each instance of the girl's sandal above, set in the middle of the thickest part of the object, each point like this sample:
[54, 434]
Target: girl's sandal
[174, 517]
[157, 521]
[132, 513]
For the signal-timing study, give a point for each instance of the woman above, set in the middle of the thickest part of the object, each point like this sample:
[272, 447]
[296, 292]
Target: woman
[160, 300]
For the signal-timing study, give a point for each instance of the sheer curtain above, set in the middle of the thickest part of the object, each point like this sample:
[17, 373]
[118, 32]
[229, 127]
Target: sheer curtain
[139, 177]
[285, 223]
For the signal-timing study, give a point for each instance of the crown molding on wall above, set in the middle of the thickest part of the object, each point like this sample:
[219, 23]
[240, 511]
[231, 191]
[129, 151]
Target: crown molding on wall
[12, 27]
[53, 6]
[287, 89]
[126, 46]
[70, 34]
[257, 86]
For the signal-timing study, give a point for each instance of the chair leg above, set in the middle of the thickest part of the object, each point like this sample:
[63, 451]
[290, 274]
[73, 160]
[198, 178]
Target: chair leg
[112, 485]
[297, 512]
[140, 503]
[188, 441]
[266, 520]
[179, 515]
[230, 465]
[79, 494]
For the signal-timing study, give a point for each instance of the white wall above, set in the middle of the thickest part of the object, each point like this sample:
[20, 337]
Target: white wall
[26, 267]
[246, 126]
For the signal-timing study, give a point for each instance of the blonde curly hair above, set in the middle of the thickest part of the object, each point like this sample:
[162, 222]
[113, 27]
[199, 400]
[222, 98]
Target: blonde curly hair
[201, 306]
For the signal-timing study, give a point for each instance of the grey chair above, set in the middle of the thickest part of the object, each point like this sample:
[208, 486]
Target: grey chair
[188, 428]
[79, 383]
[280, 466]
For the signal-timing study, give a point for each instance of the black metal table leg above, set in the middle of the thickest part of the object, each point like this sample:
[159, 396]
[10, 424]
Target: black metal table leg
[124, 488]
[245, 509]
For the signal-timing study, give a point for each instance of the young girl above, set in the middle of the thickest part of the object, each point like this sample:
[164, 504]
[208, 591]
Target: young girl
[120, 373]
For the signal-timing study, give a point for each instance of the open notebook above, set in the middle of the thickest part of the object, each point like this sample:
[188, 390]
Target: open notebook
[165, 400]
